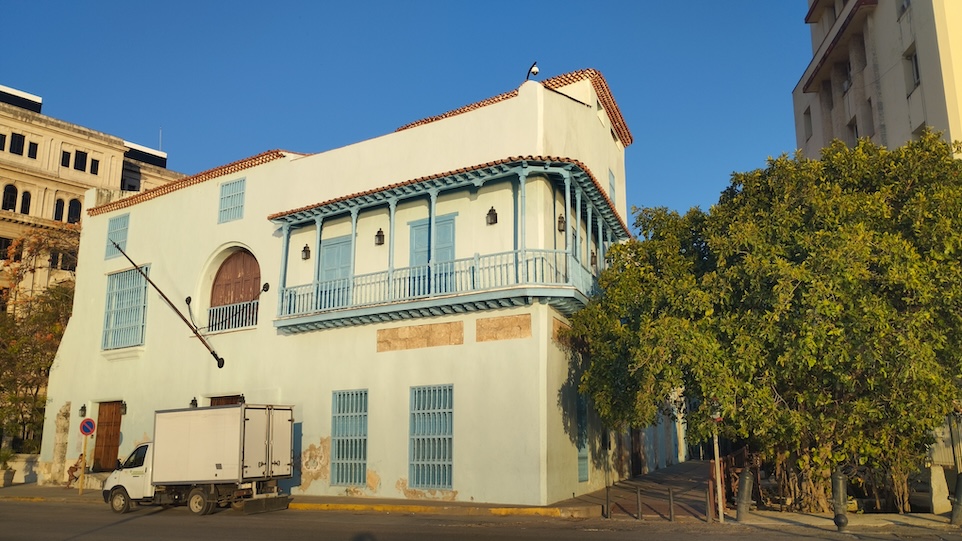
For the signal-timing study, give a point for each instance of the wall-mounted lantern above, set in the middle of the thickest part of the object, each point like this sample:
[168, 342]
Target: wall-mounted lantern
[306, 253]
[241, 399]
[123, 408]
[83, 410]
[193, 402]
[379, 237]
[594, 259]
[561, 223]
[492, 217]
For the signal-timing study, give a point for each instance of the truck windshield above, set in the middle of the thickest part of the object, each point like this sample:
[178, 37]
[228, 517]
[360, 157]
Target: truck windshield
[136, 459]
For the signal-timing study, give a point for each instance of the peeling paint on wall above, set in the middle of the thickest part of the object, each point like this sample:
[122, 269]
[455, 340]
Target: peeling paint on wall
[372, 486]
[503, 328]
[425, 494]
[556, 326]
[420, 336]
[315, 463]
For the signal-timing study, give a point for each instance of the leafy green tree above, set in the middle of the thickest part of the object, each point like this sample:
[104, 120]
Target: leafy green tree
[31, 329]
[816, 307]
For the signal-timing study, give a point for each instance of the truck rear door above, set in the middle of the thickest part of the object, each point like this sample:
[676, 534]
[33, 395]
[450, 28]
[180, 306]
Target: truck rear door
[256, 437]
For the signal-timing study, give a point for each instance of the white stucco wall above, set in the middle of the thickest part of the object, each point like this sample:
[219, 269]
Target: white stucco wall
[512, 443]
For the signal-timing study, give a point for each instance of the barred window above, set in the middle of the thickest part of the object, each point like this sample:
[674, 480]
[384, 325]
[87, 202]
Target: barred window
[432, 437]
[117, 232]
[349, 438]
[125, 311]
[231, 201]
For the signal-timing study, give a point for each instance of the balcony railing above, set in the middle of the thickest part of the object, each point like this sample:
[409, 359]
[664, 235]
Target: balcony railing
[232, 316]
[479, 273]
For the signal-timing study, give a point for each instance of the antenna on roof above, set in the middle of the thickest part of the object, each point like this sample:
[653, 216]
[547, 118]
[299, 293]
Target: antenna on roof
[533, 70]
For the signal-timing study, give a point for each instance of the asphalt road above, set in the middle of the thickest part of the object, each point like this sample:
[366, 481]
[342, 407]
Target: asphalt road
[46, 521]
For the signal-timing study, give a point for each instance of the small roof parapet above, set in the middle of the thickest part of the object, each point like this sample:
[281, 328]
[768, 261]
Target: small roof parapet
[145, 155]
[18, 98]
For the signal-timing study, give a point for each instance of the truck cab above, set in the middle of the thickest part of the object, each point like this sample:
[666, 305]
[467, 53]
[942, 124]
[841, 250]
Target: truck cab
[131, 481]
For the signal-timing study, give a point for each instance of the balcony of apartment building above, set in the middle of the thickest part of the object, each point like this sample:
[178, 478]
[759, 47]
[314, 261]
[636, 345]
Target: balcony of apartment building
[839, 24]
[499, 235]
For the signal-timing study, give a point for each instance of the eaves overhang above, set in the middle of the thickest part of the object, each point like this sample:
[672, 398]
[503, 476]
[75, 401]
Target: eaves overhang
[552, 167]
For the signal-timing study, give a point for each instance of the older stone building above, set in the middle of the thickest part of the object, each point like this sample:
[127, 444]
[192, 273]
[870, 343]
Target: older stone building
[46, 166]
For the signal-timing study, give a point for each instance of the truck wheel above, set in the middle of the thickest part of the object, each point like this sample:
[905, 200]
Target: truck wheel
[119, 501]
[198, 503]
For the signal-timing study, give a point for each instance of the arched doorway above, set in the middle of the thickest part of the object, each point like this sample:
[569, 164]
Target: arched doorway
[235, 293]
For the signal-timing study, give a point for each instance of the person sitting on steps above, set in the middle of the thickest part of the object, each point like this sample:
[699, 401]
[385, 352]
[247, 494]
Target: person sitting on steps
[73, 471]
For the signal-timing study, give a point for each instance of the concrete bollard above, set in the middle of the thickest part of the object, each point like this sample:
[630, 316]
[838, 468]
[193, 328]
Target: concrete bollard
[638, 501]
[744, 495]
[840, 499]
[956, 519]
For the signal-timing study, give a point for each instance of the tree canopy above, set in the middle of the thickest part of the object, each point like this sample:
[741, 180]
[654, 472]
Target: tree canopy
[31, 329]
[816, 308]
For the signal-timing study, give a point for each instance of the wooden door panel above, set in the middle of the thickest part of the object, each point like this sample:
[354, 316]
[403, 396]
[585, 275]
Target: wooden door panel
[107, 446]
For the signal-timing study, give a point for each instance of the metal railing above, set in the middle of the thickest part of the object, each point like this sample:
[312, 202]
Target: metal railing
[478, 273]
[232, 316]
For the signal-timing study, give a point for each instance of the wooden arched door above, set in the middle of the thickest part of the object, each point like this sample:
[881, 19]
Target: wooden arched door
[233, 297]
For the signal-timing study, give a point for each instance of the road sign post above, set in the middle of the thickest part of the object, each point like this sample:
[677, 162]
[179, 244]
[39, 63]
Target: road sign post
[87, 427]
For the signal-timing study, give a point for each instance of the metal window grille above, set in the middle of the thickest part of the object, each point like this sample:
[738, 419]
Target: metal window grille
[432, 437]
[124, 316]
[582, 438]
[349, 438]
[117, 232]
[231, 201]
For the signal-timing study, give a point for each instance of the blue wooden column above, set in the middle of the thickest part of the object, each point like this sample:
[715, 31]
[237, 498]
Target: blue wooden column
[282, 281]
[318, 223]
[578, 243]
[522, 220]
[392, 209]
[433, 236]
[567, 177]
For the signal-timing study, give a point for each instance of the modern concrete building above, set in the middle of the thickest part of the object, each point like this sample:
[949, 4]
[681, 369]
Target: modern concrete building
[47, 164]
[403, 294]
[883, 69]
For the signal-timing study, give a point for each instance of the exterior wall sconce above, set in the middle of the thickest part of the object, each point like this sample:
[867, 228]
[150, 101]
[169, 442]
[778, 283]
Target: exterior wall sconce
[241, 399]
[379, 237]
[83, 410]
[492, 217]
[306, 253]
[193, 402]
[594, 259]
[561, 223]
[123, 408]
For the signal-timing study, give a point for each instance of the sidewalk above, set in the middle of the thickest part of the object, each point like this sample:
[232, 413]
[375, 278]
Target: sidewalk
[687, 482]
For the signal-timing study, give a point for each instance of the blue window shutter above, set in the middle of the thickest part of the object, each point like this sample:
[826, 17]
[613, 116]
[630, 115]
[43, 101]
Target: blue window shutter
[117, 232]
[334, 289]
[432, 437]
[231, 201]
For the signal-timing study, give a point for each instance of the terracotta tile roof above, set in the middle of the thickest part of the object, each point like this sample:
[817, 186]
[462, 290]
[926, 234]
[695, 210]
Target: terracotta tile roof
[514, 159]
[554, 83]
[186, 182]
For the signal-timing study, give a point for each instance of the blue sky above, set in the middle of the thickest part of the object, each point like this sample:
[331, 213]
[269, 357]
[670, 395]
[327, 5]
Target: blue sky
[704, 85]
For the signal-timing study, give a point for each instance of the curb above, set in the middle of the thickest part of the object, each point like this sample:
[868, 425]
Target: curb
[551, 512]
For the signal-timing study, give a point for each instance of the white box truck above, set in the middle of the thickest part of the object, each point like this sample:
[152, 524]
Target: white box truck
[208, 458]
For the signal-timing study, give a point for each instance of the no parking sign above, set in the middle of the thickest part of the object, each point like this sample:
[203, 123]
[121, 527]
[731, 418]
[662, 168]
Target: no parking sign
[87, 426]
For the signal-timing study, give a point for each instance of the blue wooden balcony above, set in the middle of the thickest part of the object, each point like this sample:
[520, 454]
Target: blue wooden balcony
[482, 282]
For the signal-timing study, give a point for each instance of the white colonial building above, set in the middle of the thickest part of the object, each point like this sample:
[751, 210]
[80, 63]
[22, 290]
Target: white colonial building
[402, 293]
